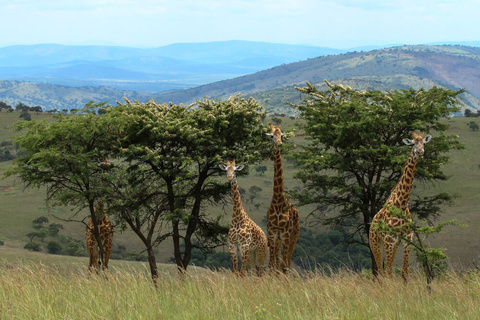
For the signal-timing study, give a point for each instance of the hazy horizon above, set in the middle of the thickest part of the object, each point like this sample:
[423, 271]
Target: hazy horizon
[342, 24]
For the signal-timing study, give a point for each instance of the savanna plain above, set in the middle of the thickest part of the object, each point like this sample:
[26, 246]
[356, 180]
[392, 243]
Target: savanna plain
[38, 291]
[43, 286]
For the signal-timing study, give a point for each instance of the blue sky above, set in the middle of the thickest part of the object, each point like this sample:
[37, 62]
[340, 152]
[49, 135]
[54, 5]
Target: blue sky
[326, 23]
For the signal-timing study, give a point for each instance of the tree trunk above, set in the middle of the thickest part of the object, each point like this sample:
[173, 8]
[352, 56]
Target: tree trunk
[96, 233]
[153, 264]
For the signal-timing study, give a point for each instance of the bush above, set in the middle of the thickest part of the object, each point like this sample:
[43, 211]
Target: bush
[54, 247]
[212, 260]
[76, 248]
[32, 246]
[329, 249]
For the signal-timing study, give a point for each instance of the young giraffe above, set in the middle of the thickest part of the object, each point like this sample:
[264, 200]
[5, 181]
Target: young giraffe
[105, 229]
[283, 225]
[245, 236]
[382, 242]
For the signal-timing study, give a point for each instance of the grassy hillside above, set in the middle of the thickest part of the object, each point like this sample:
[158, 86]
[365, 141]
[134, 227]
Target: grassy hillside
[398, 67]
[20, 207]
[385, 69]
[50, 96]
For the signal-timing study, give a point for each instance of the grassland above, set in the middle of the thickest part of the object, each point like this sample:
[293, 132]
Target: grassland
[43, 286]
[37, 291]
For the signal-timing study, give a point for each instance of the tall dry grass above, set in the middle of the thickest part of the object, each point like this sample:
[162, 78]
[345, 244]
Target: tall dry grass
[36, 291]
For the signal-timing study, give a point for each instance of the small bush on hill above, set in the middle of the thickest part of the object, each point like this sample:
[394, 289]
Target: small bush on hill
[54, 247]
[33, 246]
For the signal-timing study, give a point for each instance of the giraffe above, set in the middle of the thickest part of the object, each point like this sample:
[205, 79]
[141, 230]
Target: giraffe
[283, 224]
[105, 229]
[381, 242]
[245, 236]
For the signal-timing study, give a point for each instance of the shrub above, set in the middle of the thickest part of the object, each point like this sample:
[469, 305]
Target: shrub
[54, 247]
[32, 246]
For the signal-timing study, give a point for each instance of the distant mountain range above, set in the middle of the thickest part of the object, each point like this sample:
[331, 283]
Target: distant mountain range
[397, 67]
[176, 66]
[451, 66]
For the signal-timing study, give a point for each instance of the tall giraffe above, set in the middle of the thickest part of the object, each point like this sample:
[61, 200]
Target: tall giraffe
[245, 236]
[383, 242]
[105, 229]
[283, 224]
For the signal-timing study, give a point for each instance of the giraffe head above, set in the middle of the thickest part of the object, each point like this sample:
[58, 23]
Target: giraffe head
[276, 134]
[418, 142]
[230, 168]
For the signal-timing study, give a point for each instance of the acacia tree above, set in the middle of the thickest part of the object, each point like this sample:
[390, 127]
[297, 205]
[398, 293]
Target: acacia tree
[355, 154]
[164, 160]
[65, 156]
[175, 150]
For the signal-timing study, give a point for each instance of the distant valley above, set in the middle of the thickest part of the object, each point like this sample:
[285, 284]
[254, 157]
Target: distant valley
[185, 72]
[176, 66]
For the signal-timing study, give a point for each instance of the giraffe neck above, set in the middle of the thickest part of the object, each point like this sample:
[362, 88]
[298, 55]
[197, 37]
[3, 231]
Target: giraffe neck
[278, 188]
[238, 211]
[401, 192]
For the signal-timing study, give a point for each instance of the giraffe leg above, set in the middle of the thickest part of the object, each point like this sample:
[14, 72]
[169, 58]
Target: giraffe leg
[253, 261]
[272, 246]
[376, 244]
[261, 257]
[91, 262]
[391, 246]
[283, 266]
[245, 260]
[107, 248]
[406, 255]
[291, 248]
[278, 256]
[233, 253]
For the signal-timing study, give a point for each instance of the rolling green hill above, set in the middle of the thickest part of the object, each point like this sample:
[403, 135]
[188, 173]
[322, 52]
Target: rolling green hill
[19, 207]
[453, 67]
[386, 69]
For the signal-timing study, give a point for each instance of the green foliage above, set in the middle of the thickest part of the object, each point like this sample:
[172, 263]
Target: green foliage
[329, 250]
[433, 260]
[212, 260]
[54, 247]
[76, 248]
[33, 246]
[63, 155]
[66, 244]
[7, 151]
[25, 115]
[164, 164]
[355, 153]
[261, 170]
[473, 125]
[38, 222]
[174, 151]
[468, 113]
[33, 235]
[54, 228]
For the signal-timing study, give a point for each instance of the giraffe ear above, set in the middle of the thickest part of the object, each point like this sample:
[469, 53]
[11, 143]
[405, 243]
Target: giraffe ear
[408, 142]
[239, 168]
[221, 166]
[427, 138]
